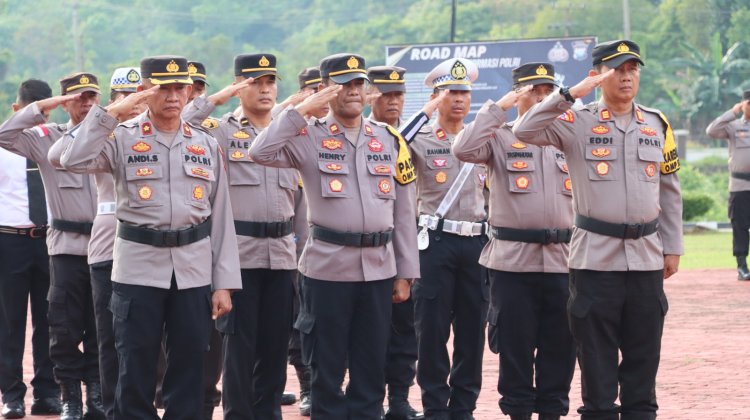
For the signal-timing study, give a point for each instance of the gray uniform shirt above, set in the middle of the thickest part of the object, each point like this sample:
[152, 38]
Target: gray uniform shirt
[165, 184]
[529, 189]
[70, 196]
[737, 132]
[617, 177]
[350, 187]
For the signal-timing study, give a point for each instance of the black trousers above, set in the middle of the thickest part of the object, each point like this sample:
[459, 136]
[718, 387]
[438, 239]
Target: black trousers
[71, 320]
[452, 292]
[611, 312]
[24, 277]
[295, 343]
[340, 322]
[739, 214]
[256, 341]
[529, 329]
[401, 359]
[140, 315]
[101, 288]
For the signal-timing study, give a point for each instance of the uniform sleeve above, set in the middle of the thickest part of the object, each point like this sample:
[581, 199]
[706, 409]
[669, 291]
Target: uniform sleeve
[543, 124]
[225, 270]
[280, 144]
[93, 148]
[411, 127]
[720, 128]
[670, 218]
[55, 152]
[405, 232]
[198, 110]
[301, 227]
[19, 135]
[473, 142]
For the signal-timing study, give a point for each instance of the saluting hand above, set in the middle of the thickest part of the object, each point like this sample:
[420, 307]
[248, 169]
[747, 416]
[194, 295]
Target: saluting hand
[296, 98]
[372, 97]
[122, 108]
[737, 107]
[47, 105]
[221, 303]
[509, 100]
[221, 97]
[401, 290]
[433, 104]
[587, 85]
[318, 99]
[671, 265]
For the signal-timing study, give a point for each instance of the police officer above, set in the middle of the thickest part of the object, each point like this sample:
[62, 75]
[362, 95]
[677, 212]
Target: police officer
[72, 203]
[387, 89]
[627, 237]
[24, 276]
[175, 239]
[452, 288]
[197, 71]
[737, 132]
[531, 217]
[256, 332]
[358, 183]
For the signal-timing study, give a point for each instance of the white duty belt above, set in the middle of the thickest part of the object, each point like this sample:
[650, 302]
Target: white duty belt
[456, 227]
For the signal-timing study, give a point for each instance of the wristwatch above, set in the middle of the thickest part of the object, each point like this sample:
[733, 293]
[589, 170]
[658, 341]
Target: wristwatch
[566, 94]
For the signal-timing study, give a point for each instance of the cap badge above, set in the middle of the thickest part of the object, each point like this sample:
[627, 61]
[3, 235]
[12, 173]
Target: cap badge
[84, 80]
[172, 67]
[458, 71]
[623, 48]
[393, 75]
[192, 69]
[384, 186]
[264, 61]
[133, 76]
[541, 71]
[352, 62]
[198, 193]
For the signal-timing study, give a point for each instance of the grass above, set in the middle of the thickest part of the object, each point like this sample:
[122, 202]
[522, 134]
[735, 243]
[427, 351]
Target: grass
[708, 250]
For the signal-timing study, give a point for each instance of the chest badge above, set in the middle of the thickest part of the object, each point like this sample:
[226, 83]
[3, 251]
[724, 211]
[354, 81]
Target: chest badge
[520, 164]
[145, 192]
[141, 147]
[601, 152]
[440, 163]
[648, 131]
[241, 135]
[600, 129]
[144, 172]
[383, 169]
[200, 172]
[196, 149]
[441, 177]
[650, 170]
[334, 167]
[198, 193]
[518, 145]
[336, 185]
[375, 145]
[602, 168]
[384, 186]
[237, 155]
[567, 184]
[522, 182]
[332, 144]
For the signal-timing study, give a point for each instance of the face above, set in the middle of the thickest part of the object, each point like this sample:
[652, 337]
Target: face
[534, 96]
[350, 102]
[135, 111]
[260, 96]
[456, 106]
[198, 89]
[622, 87]
[388, 106]
[79, 108]
[746, 109]
[168, 101]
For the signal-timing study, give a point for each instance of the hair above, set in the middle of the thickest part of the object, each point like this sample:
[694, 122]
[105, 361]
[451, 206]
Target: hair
[33, 90]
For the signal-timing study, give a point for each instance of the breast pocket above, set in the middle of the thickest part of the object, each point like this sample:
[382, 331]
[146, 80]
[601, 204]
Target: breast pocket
[288, 179]
[242, 170]
[67, 179]
[600, 162]
[520, 175]
[742, 138]
[143, 185]
[566, 186]
[334, 180]
[383, 184]
[436, 176]
[649, 160]
[199, 186]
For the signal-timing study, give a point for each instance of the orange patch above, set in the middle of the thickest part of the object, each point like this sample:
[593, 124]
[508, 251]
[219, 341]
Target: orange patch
[601, 152]
[602, 168]
[332, 144]
[336, 185]
[440, 163]
[639, 115]
[335, 129]
[605, 115]
[141, 147]
[196, 149]
[145, 192]
[334, 166]
[383, 169]
[375, 145]
[600, 129]
[518, 145]
[650, 170]
[648, 131]
[520, 165]
[522, 182]
[144, 171]
[567, 116]
[368, 130]
[200, 172]
[237, 155]
[567, 184]
[441, 177]
[241, 135]
[186, 130]
[384, 186]
[440, 133]
[146, 129]
[198, 193]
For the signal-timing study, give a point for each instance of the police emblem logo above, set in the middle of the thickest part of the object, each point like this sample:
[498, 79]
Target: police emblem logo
[141, 147]
[567, 116]
[518, 145]
[334, 167]
[650, 170]
[375, 145]
[520, 165]
[332, 144]
[241, 135]
[384, 186]
[83, 80]
[145, 192]
[541, 70]
[352, 62]
[440, 133]
[196, 149]
[440, 163]
[336, 186]
[133, 76]
[459, 70]
[263, 62]
[237, 155]
[441, 177]
[144, 172]
[383, 169]
[567, 184]
[210, 123]
[648, 131]
[393, 75]
[173, 67]
[622, 48]
[601, 152]
[199, 172]
[600, 129]
[192, 69]
[198, 192]
[522, 182]
[602, 168]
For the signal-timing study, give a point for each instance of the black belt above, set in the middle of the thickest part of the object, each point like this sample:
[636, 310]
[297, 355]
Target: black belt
[360, 240]
[539, 236]
[84, 228]
[741, 175]
[164, 238]
[617, 230]
[31, 232]
[262, 229]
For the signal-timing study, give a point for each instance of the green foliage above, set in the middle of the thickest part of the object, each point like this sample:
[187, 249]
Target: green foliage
[695, 205]
[704, 193]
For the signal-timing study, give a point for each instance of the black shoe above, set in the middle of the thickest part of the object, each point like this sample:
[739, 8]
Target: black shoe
[14, 410]
[401, 410]
[94, 404]
[72, 401]
[305, 405]
[44, 406]
[743, 273]
[543, 416]
[288, 398]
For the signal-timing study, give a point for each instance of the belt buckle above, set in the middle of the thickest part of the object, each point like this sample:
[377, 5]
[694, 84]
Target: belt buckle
[41, 230]
[634, 231]
[171, 238]
[466, 228]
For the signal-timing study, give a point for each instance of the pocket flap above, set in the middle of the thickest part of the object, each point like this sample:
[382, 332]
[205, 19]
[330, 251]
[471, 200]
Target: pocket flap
[333, 167]
[143, 172]
[381, 169]
[519, 165]
[600, 153]
[650, 154]
[439, 162]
